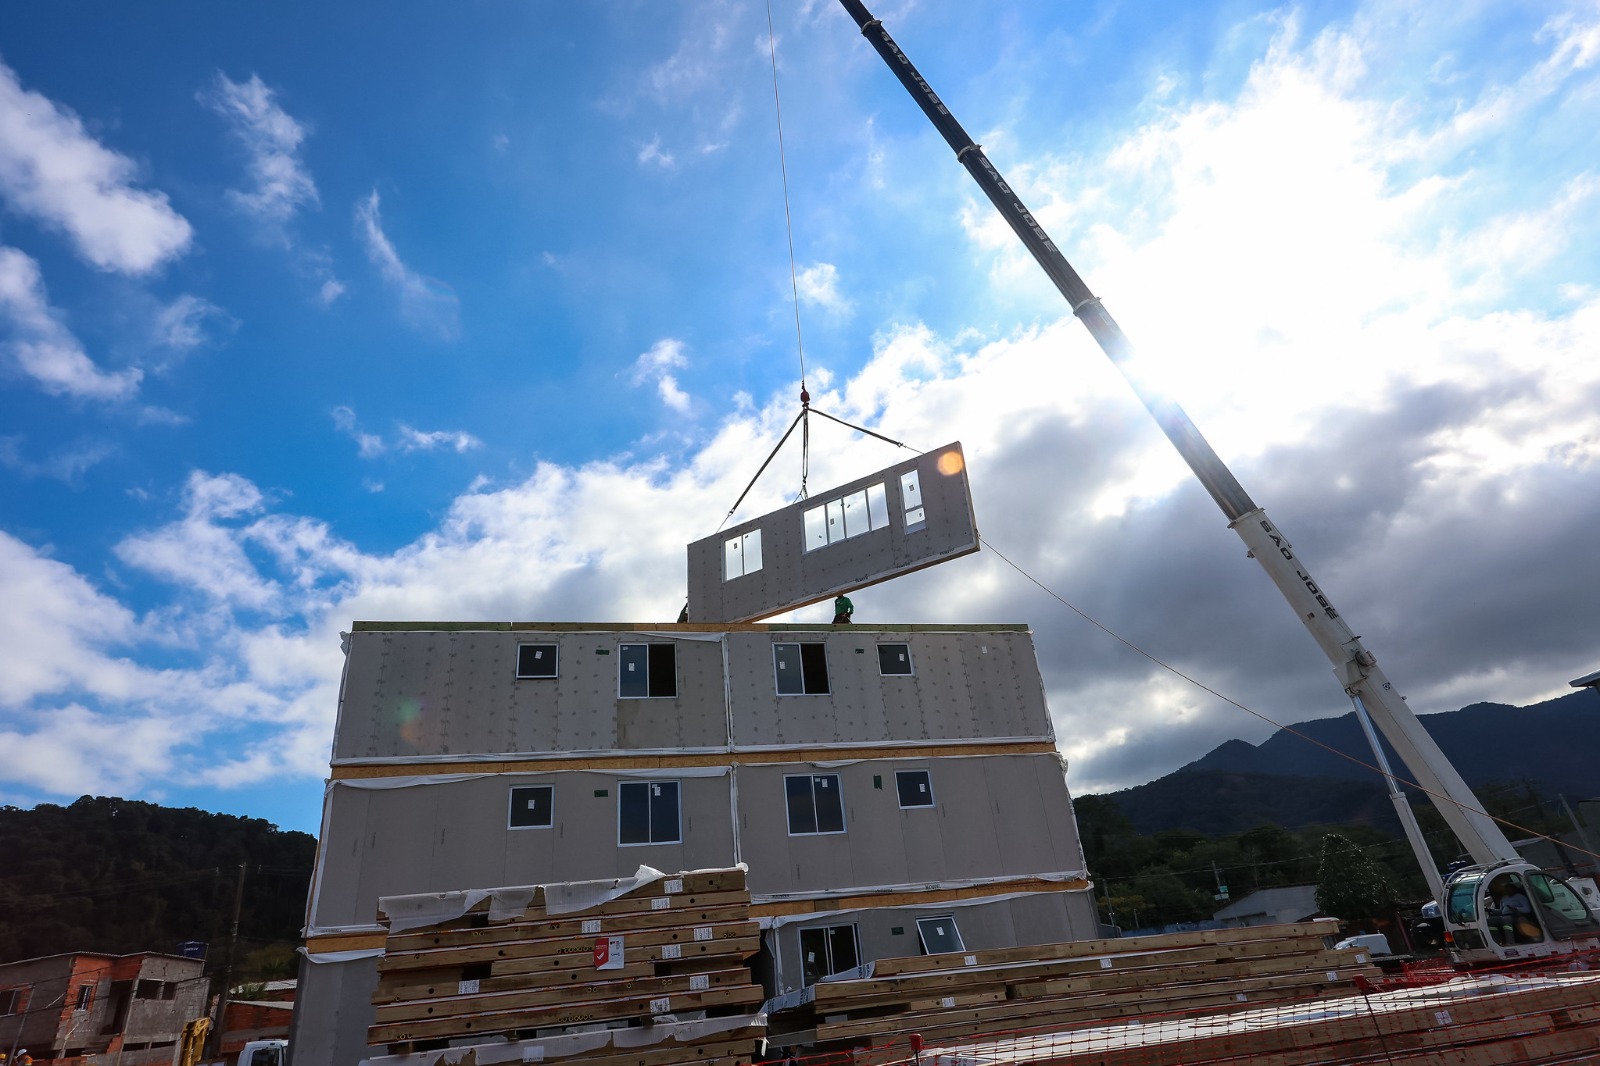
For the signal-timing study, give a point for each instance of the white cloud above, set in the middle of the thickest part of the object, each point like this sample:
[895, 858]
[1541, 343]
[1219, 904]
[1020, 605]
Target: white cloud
[818, 285]
[425, 303]
[330, 291]
[67, 465]
[281, 185]
[416, 440]
[1403, 413]
[367, 444]
[652, 153]
[41, 347]
[407, 438]
[657, 365]
[52, 170]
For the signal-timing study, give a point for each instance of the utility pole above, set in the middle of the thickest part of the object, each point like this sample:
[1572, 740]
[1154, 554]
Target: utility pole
[227, 966]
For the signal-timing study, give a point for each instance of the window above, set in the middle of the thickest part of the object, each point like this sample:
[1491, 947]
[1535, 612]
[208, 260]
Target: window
[648, 671]
[801, 669]
[939, 935]
[894, 659]
[741, 555]
[815, 803]
[147, 989]
[536, 660]
[85, 997]
[10, 1001]
[848, 516]
[915, 788]
[829, 950]
[531, 806]
[911, 497]
[647, 812]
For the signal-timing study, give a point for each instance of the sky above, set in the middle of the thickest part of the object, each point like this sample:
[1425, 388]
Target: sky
[482, 311]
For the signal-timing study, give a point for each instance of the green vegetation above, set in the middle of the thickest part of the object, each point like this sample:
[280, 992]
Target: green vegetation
[121, 876]
[1172, 875]
[1350, 885]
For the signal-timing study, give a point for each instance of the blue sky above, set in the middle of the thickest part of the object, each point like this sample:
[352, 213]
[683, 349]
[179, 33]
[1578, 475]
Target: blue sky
[482, 311]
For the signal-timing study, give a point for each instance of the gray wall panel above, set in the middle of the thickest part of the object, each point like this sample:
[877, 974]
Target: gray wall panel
[791, 577]
[332, 1009]
[454, 834]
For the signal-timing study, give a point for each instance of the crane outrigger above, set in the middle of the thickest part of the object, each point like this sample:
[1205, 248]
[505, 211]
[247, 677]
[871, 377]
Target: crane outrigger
[1484, 922]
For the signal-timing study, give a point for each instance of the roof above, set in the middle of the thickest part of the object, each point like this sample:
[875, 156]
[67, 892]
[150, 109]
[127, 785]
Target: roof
[1587, 681]
[676, 627]
[1271, 900]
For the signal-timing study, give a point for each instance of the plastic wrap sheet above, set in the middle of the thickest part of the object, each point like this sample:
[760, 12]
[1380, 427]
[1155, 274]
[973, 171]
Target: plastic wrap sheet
[353, 955]
[556, 1048]
[509, 757]
[432, 908]
[778, 921]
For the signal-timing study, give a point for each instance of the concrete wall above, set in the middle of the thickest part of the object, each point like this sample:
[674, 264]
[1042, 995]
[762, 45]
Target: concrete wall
[794, 573]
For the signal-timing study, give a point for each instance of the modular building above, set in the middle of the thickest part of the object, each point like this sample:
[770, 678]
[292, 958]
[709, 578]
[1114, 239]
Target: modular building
[892, 789]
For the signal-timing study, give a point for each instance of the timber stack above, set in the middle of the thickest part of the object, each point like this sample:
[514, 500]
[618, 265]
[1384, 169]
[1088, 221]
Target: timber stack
[1060, 987]
[644, 971]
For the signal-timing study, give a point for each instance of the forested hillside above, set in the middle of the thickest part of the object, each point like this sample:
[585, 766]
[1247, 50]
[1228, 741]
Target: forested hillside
[1529, 755]
[120, 876]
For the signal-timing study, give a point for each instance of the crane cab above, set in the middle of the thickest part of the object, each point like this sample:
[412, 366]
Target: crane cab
[1512, 910]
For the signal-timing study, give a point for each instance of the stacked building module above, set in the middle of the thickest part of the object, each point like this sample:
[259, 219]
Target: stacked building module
[892, 789]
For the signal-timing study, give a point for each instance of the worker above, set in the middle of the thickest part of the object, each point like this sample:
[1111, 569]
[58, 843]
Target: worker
[1511, 919]
[23, 1058]
[842, 610]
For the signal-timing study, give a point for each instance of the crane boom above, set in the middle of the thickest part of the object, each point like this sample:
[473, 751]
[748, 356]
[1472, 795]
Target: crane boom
[1354, 666]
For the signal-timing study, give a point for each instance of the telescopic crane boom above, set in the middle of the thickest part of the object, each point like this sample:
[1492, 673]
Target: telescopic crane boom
[1355, 667]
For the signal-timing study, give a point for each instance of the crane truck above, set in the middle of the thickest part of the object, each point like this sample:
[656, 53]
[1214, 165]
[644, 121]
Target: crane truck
[1499, 908]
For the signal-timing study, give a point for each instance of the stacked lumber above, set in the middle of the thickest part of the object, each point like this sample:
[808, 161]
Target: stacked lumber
[683, 944]
[1084, 983]
[1469, 1021]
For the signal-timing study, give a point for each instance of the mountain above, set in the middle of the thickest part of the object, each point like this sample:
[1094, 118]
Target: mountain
[121, 876]
[1550, 747]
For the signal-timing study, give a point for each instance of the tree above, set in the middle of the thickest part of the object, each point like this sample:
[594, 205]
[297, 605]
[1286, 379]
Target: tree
[1349, 884]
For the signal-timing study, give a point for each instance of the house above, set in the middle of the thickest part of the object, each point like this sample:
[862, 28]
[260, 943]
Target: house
[892, 789]
[88, 1009]
[1271, 906]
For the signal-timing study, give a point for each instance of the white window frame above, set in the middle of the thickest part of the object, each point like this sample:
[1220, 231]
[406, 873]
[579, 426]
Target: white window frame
[911, 664]
[511, 806]
[647, 645]
[799, 651]
[913, 510]
[841, 517]
[827, 943]
[927, 775]
[741, 548]
[555, 662]
[844, 819]
[649, 821]
[922, 940]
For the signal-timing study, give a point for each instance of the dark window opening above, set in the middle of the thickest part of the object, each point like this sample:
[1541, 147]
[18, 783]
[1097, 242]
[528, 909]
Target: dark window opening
[85, 997]
[826, 951]
[11, 1001]
[532, 806]
[915, 787]
[894, 660]
[147, 990]
[536, 660]
[815, 803]
[648, 671]
[801, 669]
[169, 990]
[939, 936]
[647, 812]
